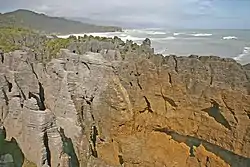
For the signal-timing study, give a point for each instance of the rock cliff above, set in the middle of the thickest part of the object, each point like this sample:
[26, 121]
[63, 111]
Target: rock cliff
[123, 109]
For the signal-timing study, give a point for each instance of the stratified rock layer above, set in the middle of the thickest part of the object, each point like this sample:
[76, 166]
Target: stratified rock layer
[99, 109]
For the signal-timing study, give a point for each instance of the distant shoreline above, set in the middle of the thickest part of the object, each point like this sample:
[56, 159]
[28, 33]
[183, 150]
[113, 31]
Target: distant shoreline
[233, 44]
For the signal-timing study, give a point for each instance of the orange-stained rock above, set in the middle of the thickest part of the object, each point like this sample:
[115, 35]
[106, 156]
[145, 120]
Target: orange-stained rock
[146, 110]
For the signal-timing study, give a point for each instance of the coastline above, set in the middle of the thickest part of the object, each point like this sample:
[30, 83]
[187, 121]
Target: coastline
[185, 43]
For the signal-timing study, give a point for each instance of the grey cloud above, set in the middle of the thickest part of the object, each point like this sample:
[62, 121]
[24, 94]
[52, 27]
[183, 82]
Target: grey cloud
[151, 12]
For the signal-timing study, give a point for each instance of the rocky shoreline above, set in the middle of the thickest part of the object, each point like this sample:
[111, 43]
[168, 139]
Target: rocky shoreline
[105, 102]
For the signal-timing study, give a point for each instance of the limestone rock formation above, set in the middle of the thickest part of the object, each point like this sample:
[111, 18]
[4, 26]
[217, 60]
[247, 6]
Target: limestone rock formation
[139, 110]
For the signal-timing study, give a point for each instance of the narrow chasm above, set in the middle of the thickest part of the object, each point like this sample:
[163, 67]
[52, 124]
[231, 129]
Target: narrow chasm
[68, 148]
[9, 84]
[2, 57]
[234, 160]
[11, 150]
[41, 96]
[46, 144]
[93, 138]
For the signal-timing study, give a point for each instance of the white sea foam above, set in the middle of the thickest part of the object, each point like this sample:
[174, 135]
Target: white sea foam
[123, 35]
[169, 38]
[201, 35]
[162, 51]
[144, 31]
[163, 39]
[106, 34]
[178, 33]
[229, 37]
[63, 36]
[130, 37]
[156, 33]
[246, 52]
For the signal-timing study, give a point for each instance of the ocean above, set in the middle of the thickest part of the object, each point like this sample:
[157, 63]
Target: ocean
[223, 43]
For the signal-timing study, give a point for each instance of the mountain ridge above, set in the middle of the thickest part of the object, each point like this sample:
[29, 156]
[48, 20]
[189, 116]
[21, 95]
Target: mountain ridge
[43, 23]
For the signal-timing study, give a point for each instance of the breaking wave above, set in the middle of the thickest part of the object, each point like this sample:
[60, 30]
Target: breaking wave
[145, 31]
[201, 35]
[178, 33]
[229, 37]
[126, 35]
[162, 39]
[246, 52]
[130, 37]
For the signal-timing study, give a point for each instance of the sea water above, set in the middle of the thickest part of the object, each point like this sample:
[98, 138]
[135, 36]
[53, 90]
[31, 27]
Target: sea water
[184, 42]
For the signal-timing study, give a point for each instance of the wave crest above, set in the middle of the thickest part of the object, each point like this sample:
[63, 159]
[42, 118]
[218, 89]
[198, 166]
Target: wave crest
[246, 52]
[201, 35]
[145, 31]
[229, 37]
[178, 33]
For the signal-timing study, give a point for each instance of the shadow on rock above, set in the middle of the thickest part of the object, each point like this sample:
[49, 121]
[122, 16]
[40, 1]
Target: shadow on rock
[214, 112]
[68, 148]
[234, 160]
[10, 152]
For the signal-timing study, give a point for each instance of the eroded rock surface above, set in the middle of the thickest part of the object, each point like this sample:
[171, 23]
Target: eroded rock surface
[102, 109]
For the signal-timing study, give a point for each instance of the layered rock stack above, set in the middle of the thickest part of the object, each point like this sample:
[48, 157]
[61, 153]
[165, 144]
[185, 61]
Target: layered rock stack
[133, 110]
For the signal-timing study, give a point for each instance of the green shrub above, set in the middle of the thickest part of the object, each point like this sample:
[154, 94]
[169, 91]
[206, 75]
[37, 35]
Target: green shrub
[12, 38]
[53, 46]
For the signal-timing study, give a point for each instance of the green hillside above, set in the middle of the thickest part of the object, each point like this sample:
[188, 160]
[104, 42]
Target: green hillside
[47, 24]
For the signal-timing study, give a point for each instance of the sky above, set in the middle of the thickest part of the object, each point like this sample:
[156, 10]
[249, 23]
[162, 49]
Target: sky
[211, 14]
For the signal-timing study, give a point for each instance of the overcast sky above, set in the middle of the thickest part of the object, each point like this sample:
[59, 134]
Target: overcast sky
[150, 13]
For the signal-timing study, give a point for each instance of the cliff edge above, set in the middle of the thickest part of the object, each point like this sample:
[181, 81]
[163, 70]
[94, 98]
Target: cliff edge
[123, 109]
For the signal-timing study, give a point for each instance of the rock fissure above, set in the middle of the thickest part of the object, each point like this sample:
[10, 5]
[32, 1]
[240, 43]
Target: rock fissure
[211, 75]
[20, 90]
[167, 100]
[33, 70]
[138, 83]
[5, 97]
[176, 64]
[86, 64]
[229, 157]
[41, 97]
[2, 57]
[207, 162]
[231, 110]
[170, 79]
[93, 138]
[9, 84]
[247, 113]
[137, 75]
[68, 148]
[148, 108]
[48, 152]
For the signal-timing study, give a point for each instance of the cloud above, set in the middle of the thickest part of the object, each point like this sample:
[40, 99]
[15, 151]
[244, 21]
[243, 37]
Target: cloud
[178, 13]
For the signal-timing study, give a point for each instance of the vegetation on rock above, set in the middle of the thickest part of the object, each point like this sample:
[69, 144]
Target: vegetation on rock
[48, 47]
[124, 107]
[15, 38]
[47, 24]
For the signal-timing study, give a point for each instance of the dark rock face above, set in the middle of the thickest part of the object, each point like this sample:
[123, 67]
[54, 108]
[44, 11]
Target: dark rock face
[10, 153]
[125, 109]
[147, 42]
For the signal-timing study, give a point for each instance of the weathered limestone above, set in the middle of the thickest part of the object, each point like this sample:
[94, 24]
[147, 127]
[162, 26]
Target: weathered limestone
[99, 109]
